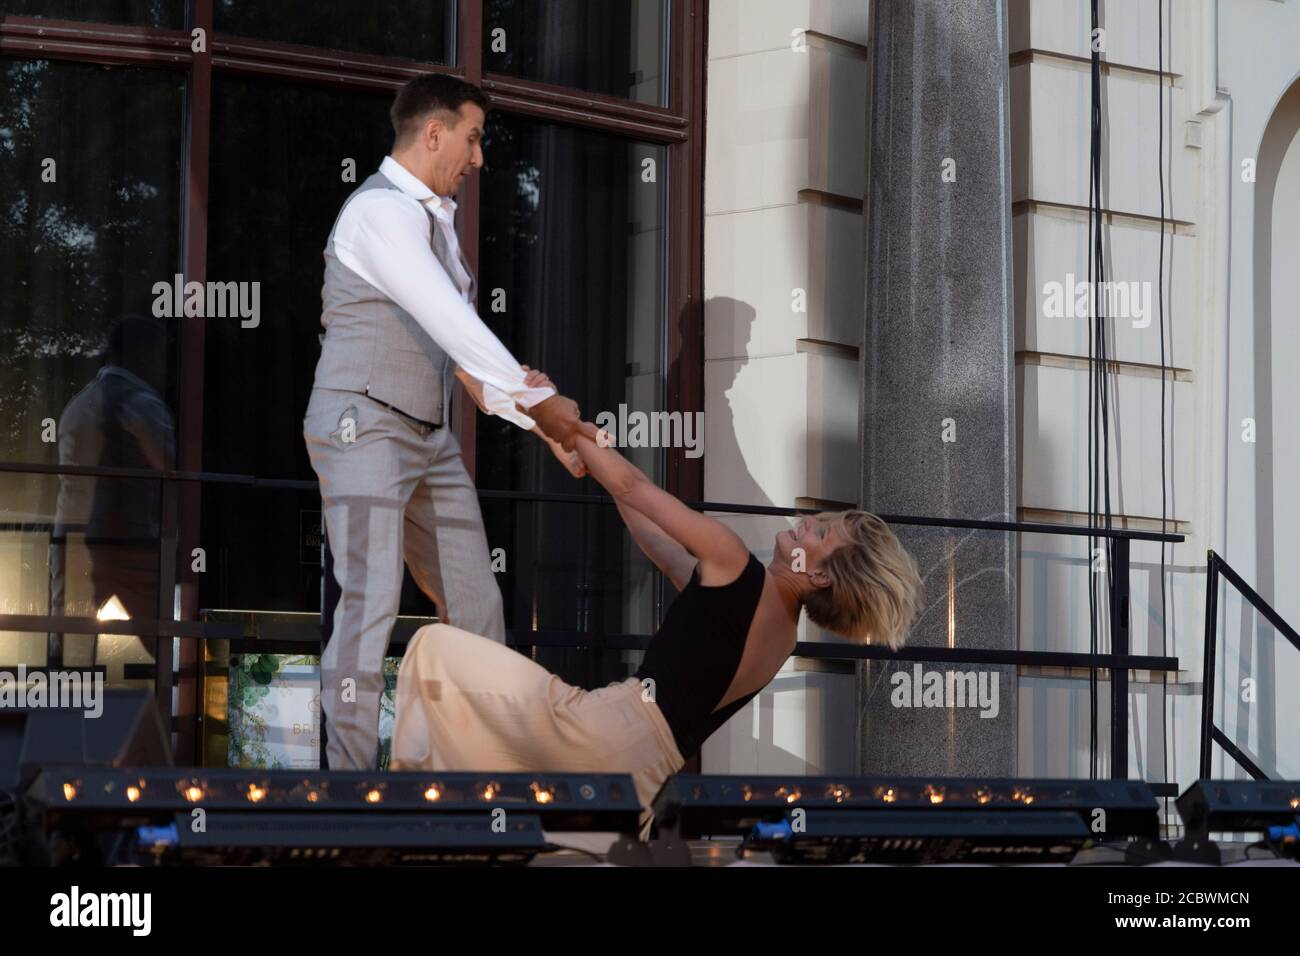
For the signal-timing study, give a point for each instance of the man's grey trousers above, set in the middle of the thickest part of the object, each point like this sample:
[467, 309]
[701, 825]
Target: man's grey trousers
[391, 490]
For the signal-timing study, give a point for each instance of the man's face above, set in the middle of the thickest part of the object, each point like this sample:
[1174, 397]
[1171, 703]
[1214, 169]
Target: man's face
[815, 538]
[459, 150]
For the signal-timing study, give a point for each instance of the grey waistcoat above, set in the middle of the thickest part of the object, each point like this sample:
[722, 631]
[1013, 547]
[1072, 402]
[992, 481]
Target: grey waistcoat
[373, 345]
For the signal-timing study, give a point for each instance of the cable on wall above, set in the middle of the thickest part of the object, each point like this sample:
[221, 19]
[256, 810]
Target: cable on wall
[1099, 508]
[1161, 162]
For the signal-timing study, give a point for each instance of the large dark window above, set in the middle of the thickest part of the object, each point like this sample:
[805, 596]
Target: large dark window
[412, 29]
[145, 13]
[615, 47]
[284, 157]
[90, 159]
[572, 279]
[89, 224]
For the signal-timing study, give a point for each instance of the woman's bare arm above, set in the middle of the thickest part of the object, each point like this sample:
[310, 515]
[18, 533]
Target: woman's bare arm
[668, 556]
[722, 554]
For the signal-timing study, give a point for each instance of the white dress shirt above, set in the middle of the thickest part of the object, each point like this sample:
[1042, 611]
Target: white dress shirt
[383, 236]
[444, 213]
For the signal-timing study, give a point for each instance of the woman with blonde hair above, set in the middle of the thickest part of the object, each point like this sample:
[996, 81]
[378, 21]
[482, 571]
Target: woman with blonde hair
[467, 703]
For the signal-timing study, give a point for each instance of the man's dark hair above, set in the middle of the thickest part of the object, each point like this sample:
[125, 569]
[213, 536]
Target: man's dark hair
[138, 342]
[428, 94]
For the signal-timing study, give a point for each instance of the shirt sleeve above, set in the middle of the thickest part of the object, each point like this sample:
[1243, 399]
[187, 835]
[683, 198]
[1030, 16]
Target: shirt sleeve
[386, 242]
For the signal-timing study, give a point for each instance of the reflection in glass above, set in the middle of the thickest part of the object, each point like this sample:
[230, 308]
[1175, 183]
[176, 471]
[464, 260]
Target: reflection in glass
[572, 272]
[89, 223]
[168, 14]
[118, 420]
[422, 30]
[615, 47]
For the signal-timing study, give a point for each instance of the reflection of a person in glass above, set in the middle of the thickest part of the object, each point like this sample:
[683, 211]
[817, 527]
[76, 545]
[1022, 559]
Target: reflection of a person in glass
[118, 420]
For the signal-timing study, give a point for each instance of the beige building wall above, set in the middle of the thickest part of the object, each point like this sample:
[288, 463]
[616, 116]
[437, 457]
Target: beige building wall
[783, 286]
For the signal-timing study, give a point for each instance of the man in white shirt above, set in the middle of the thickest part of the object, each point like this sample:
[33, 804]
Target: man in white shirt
[399, 325]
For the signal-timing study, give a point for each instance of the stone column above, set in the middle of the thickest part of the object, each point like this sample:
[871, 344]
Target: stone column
[937, 403]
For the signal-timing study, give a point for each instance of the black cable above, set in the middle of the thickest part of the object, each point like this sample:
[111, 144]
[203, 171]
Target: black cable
[1092, 541]
[1099, 417]
[1100, 368]
[1169, 297]
[1160, 166]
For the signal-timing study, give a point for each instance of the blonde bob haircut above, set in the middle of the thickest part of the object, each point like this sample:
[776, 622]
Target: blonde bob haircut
[875, 586]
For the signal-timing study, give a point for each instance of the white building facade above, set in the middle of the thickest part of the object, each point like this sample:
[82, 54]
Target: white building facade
[786, 133]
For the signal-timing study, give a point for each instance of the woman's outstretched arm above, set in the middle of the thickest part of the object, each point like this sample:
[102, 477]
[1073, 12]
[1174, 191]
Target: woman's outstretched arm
[668, 556]
[721, 553]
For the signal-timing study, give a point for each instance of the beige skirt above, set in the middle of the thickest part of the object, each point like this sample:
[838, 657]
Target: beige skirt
[466, 703]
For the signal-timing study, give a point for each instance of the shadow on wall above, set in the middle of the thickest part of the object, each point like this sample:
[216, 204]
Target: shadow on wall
[732, 321]
[767, 735]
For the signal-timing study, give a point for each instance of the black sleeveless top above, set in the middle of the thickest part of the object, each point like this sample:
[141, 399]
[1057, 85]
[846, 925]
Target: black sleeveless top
[696, 652]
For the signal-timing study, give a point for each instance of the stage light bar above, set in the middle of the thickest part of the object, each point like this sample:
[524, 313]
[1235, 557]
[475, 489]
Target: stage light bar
[1242, 805]
[692, 806]
[602, 802]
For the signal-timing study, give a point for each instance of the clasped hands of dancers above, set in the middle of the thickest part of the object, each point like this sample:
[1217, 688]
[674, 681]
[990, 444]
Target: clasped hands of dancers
[468, 703]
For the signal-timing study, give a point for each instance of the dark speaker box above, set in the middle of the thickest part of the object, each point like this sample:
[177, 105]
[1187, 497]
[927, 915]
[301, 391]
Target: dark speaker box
[127, 733]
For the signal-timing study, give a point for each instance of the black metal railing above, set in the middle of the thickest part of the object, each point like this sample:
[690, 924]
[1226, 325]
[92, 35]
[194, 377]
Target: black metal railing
[1119, 661]
[1211, 734]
